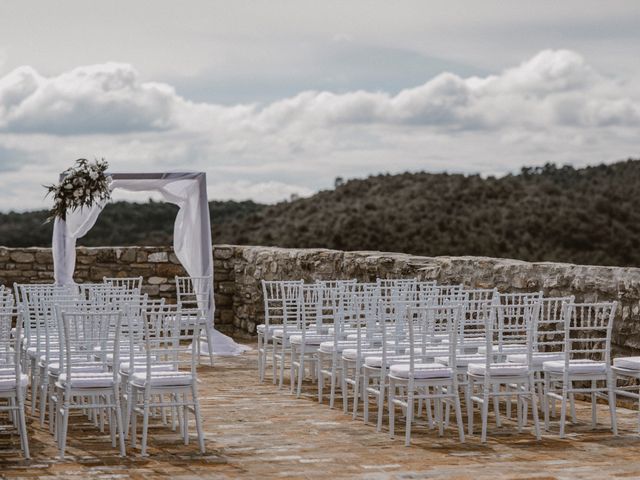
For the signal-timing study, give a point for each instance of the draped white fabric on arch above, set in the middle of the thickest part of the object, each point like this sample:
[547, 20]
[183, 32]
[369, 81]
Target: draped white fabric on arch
[191, 235]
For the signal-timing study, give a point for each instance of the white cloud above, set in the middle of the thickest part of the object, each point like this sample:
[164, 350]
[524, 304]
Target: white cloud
[554, 107]
[553, 88]
[106, 98]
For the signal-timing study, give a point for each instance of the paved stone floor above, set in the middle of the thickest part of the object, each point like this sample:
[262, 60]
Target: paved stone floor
[256, 432]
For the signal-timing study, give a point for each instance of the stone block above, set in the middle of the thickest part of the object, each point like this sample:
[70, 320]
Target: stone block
[157, 280]
[23, 257]
[158, 257]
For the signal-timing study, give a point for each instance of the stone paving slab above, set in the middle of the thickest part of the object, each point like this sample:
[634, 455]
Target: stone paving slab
[256, 431]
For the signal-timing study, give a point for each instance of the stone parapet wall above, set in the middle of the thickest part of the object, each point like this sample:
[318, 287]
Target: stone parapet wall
[239, 269]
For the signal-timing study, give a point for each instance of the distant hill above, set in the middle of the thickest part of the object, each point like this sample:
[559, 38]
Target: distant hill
[587, 216]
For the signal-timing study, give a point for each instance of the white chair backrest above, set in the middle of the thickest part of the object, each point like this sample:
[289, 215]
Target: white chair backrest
[513, 319]
[588, 330]
[170, 339]
[194, 292]
[130, 283]
[272, 294]
[549, 329]
[87, 335]
[6, 320]
[422, 321]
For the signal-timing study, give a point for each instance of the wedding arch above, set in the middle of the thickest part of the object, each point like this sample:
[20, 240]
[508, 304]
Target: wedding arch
[191, 234]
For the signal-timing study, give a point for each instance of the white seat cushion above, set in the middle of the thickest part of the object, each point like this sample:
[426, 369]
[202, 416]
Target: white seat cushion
[352, 353]
[376, 360]
[354, 337]
[498, 369]
[579, 367]
[630, 363]
[420, 370]
[88, 380]
[279, 332]
[263, 328]
[89, 367]
[162, 379]
[141, 366]
[509, 348]
[328, 347]
[461, 360]
[309, 339]
[8, 382]
[537, 358]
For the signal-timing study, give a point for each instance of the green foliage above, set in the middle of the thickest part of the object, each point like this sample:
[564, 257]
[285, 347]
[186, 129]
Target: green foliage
[586, 216]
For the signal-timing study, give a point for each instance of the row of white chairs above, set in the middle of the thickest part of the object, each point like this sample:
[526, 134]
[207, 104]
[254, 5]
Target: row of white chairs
[102, 349]
[420, 346]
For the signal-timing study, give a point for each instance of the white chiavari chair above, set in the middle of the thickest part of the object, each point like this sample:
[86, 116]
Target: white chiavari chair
[587, 359]
[273, 315]
[195, 297]
[82, 332]
[170, 340]
[509, 328]
[420, 378]
[548, 346]
[13, 383]
[329, 353]
[280, 337]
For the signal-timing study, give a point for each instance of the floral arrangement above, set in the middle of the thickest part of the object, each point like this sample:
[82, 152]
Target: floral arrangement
[82, 185]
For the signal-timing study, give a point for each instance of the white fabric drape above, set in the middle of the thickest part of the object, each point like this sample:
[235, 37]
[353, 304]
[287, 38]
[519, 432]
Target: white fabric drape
[191, 235]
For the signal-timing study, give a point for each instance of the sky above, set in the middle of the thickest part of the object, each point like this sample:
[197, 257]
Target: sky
[275, 98]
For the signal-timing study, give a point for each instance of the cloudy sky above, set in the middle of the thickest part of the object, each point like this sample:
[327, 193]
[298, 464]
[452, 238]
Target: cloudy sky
[273, 98]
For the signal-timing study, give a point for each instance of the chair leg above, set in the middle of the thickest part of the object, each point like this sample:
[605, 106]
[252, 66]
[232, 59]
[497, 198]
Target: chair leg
[409, 416]
[594, 405]
[534, 409]
[345, 393]
[392, 407]
[381, 394]
[427, 407]
[365, 395]
[612, 405]
[469, 401]
[282, 356]
[133, 416]
[441, 412]
[356, 391]
[64, 425]
[145, 426]
[292, 370]
[300, 374]
[112, 426]
[185, 419]
[333, 380]
[485, 412]
[24, 438]
[496, 404]
[44, 389]
[209, 333]
[458, 413]
[120, 426]
[320, 377]
[196, 412]
[563, 410]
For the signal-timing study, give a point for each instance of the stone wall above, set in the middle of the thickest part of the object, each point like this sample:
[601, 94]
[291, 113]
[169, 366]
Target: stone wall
[238, 271]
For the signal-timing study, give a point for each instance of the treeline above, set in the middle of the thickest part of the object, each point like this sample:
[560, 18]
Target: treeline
[550, 213]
